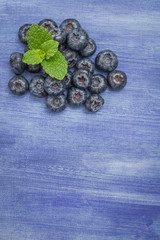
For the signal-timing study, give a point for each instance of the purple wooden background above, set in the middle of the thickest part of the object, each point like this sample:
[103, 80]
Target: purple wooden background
[75, 175]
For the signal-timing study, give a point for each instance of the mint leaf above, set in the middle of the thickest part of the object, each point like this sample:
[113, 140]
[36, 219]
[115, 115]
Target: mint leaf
[34, 56]
[50, 47]
[56, 66]
[37, 35]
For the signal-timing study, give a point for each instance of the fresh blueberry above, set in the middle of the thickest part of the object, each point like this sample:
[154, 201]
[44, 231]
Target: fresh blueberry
[33, 68]
[77, 39]
[98, 84]
[53, 86]
[76, 96]
[26, 48]
[62, 47]
[81, 78]
[117, 79]
[23, 32]
[48, 24]
[69, 25]
[36, 86]
[106, 60]
[87, 64]
[58, 35]
[71, 57]
[56, 103]
[43, 73]
[94, 102]
[68, 79]
[18, 85]
[16, 63]
[89, 49]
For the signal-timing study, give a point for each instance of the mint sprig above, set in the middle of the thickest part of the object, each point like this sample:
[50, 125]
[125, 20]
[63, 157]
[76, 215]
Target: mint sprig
[44, 50]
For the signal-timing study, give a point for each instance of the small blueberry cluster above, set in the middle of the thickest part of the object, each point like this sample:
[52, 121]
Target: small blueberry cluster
[76, 46]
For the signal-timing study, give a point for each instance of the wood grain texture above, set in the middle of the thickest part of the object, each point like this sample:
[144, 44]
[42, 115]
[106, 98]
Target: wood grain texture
[75, 175]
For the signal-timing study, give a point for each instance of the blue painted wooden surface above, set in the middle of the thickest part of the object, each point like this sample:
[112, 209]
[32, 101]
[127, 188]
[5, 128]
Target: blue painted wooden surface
[75, 175]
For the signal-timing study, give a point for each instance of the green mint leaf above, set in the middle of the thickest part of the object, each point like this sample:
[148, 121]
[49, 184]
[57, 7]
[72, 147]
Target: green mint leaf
[34, 56]
[56, 66]
[37, 35]
[50, 47]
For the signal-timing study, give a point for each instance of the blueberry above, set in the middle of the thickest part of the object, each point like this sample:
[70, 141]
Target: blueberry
[94, 102]
[62, 47]
[68, 79]
[81, 78]
[117, 79]
[58, 35]
[26, 48]
[77, 39]
[89, 49]
[76, 96]
[56, 103]
[18, 85]
[87, 64]
[48, 24]
[106, 60]
[53, 86]
[16, 63]
[98, 84]
[71, 57]
[33, 68]
[43, 73]
[23, 32]
[69, 25]
[36, 86]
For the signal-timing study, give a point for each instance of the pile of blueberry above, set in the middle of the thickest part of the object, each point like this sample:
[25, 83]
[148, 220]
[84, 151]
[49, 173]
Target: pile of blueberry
[76, 46]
